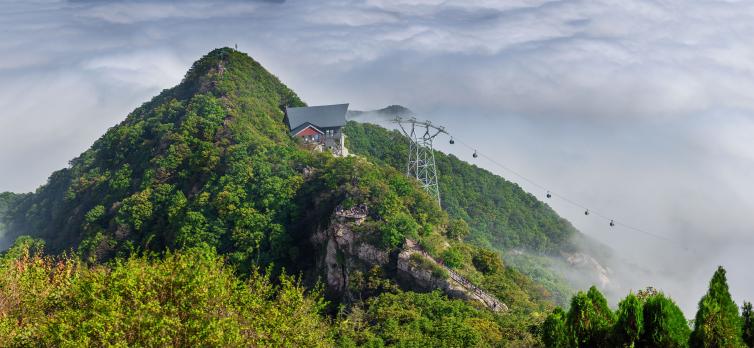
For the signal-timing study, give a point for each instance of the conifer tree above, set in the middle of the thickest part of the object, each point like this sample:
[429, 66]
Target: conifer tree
[590, 319]
[554, 333]
[664, 323]
[747, 324]
[630, 322]
[717, 321]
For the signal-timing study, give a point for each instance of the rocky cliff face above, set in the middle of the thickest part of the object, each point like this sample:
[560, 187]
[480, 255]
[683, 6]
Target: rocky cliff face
[344, 252]
[590, 267]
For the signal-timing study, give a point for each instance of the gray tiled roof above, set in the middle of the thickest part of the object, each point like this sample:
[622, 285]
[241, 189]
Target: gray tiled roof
[323, 116]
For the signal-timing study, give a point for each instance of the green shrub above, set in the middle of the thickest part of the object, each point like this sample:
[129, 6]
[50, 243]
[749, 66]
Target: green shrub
[487, 261]
[452, 257]
[188, 298]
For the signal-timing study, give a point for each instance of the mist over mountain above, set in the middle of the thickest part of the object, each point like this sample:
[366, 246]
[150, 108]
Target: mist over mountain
[640, 110]
[207, 173]
[388, 112]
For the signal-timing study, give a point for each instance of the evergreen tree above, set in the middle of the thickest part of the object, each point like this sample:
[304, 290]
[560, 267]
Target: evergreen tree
[590, 319]
[630, 322]
[717, 321]
[554, 333]
[664, 323]
[747, 324]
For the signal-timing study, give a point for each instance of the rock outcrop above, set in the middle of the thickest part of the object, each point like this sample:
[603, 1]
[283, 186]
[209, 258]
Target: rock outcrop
[449, 281]
[346, 251]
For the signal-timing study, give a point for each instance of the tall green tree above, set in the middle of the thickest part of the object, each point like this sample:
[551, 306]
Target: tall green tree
[664, 323]
[747, 324]
[554, 330]
[630, 322]
[717, 321]
[590, 319]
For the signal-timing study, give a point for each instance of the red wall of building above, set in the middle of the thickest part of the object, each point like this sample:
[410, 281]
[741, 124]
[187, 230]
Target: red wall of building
[307, 131]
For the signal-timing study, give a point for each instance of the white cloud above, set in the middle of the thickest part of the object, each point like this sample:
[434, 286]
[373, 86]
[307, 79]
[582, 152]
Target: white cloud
[143, 11]
[643, 108]
[141, 69]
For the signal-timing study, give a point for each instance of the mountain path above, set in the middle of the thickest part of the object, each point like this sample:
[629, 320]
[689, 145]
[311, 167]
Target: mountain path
[484, 297]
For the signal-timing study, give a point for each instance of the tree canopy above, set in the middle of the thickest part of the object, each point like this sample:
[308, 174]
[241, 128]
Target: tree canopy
[650, 319]
[183, 222]
[717, 322]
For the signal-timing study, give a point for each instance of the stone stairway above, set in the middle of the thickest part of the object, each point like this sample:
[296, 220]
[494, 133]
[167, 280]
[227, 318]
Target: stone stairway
[484, 297]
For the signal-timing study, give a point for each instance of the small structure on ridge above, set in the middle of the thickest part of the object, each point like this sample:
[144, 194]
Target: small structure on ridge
[320, 127]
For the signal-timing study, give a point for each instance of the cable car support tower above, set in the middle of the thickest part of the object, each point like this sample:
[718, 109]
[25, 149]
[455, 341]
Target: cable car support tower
[421, 155]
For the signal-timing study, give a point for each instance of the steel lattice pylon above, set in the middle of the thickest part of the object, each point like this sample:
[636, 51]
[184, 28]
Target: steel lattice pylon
[421, 155]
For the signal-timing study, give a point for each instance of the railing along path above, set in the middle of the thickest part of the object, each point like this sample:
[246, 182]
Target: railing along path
[490, 301]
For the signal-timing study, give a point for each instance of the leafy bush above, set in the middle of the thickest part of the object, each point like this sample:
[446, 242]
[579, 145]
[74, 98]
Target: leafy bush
[487, 261]
[452, 257]
[458, 229]
[407, 319]
[187, 298]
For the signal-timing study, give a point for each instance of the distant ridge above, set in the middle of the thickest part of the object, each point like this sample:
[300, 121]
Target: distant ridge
[391, 111]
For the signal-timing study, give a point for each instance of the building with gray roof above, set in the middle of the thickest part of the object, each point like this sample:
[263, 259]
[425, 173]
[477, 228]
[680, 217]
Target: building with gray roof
[319, 127]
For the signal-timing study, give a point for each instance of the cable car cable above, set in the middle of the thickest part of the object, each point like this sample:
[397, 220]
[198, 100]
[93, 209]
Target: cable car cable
[550, 194]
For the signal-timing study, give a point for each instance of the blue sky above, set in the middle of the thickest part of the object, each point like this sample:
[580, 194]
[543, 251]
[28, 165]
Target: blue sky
[641, 109]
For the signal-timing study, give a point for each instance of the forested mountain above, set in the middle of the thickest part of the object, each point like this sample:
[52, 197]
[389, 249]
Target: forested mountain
[500, 215]
[498, 211]
[207, 169]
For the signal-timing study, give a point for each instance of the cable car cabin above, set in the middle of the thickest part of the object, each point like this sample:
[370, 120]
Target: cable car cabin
[320, 127]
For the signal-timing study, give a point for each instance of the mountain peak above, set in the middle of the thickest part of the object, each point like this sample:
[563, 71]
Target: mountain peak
[229, 72]
[183, 140]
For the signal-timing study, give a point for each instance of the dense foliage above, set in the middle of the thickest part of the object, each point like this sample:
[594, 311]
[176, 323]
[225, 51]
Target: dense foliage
[650, 319]
[192, 298]
[717, 323]
[484, 208]
[747, 324]
[211, 162]
[409, 319]
[197, 164]
[207, 169]
[589, 320]
[187, 298]
[498, 211]
[630, 321]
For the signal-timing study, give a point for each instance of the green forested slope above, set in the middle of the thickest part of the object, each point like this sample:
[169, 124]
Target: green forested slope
[499, 212]
[7, 200]
[181, 170]
[209, 165]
